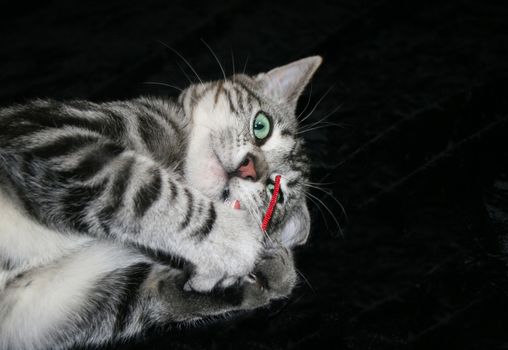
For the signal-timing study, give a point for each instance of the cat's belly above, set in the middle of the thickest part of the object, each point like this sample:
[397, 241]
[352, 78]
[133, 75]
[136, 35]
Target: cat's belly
[24, 243]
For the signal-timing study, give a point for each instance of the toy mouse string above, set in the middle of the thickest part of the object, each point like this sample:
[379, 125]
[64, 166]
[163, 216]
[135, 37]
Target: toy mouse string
[273, 203]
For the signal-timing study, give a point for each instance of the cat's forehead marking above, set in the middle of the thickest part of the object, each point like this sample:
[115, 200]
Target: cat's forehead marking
[235, 102]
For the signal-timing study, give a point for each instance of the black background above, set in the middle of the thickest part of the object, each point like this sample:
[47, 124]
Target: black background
[419, 160]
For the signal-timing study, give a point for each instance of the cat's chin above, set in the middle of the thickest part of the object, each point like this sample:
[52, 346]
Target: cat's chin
[244, 195]
[232, 202]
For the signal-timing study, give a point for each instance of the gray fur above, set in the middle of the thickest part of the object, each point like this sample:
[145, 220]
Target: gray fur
[113, 215]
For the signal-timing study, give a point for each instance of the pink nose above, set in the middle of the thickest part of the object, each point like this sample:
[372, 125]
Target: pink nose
[247, 170]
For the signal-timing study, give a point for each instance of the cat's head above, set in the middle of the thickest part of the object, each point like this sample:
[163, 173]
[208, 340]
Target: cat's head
[243, 132]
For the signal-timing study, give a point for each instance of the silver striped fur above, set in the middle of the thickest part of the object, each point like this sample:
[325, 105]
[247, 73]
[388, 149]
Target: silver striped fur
[113, 217]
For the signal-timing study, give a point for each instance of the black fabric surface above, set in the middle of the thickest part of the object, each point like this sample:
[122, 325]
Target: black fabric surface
[419, 161]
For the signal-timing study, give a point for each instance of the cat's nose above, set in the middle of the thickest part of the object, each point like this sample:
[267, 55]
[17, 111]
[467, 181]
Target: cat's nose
[247, 169]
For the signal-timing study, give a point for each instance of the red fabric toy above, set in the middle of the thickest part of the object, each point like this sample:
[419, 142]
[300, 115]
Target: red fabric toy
[271, 206]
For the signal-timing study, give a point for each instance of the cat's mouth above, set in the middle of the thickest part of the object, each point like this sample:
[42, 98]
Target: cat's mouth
[233, 203]
[238, 185]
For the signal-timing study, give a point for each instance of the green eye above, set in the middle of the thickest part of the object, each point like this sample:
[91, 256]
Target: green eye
[261, 126]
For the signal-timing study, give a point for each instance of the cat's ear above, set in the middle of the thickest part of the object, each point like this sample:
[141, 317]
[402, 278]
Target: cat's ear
[285, 84]
[297, 228]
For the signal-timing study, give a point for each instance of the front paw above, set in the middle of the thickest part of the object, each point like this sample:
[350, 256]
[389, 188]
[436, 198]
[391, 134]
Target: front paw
[273, 278]
[230, 251]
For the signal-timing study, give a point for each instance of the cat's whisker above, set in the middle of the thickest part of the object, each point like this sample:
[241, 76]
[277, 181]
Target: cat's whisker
[255, 213]
[260, 217]
[233, 64]
[167, 85]
[311, 186]
[319, 183]
[307, 104]
[317, 104]
[320, 211]
[328, 210]
[163, 84]
[316, 185]
[305, 279]
[183, 59]
[322, 122]
[319, 126]
[184, 73]
[323, 126]
[250, 209]
[328, 115]
[330, 194]
[245, 64]
[316, 128]
[216, 58]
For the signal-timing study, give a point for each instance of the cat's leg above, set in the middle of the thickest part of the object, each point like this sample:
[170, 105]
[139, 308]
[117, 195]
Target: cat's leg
[274, 277]
[72, 300]
[105, 293]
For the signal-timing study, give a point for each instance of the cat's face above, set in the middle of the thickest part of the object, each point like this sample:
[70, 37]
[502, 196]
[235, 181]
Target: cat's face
[243, 132]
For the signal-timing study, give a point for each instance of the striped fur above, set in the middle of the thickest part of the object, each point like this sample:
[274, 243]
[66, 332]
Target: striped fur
[112, 216]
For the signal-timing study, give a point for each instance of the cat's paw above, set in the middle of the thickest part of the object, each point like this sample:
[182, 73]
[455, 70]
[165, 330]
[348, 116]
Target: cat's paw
[274, 277]
[228, 253]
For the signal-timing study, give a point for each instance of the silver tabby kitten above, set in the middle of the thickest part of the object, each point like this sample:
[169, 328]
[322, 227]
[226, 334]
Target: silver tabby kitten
[98, 201]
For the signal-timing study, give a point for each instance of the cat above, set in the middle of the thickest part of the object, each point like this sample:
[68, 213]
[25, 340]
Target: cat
[114, 217]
